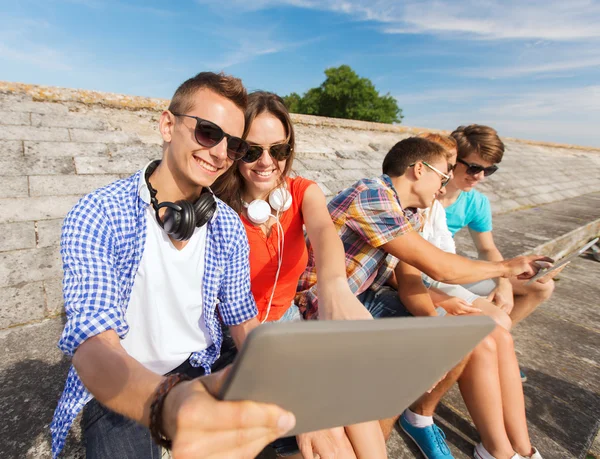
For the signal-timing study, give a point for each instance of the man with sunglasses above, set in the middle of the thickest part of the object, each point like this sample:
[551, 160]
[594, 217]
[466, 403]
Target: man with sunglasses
[479, 151]
[152, 264]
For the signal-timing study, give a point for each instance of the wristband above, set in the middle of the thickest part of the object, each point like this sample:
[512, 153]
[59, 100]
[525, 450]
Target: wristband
[156, 408]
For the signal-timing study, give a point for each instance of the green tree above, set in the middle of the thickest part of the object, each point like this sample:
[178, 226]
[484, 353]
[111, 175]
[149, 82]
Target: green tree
[292, 102]
[344, 94]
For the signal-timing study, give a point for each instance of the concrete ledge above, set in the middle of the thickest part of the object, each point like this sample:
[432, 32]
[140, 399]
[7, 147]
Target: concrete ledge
[55, 94]
[569, 242]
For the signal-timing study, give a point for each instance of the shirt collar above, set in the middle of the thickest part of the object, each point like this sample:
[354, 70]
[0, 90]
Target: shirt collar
[388, 181]
[143, 190]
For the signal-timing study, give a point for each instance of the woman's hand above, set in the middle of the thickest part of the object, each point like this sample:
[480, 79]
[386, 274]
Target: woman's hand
[337, 302]
[456, 306]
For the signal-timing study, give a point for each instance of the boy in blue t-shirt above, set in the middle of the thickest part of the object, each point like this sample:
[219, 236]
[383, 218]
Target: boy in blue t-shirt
[479, 150]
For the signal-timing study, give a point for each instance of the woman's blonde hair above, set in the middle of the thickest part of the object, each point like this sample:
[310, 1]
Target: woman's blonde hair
[448, 143]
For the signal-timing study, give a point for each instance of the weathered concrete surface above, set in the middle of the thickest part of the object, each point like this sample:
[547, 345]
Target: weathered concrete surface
[32, 375]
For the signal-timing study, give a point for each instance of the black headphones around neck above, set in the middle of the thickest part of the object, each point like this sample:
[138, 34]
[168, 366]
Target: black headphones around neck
[182, 217]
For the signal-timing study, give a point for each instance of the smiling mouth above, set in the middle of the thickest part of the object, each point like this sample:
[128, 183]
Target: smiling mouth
[264, 173]
[206, 166]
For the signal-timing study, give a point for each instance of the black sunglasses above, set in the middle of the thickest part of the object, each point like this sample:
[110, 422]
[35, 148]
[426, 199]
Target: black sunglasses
[474, 169]
[279, 152]
[209, 134]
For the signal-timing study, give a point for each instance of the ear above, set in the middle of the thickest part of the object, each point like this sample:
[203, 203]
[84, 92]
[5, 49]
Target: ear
[418, 169]
[166, 125]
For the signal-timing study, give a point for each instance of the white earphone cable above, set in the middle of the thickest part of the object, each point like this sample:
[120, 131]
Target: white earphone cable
[280, 243]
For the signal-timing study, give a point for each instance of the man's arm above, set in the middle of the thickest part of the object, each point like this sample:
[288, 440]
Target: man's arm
[197, 423]
[454, 269]
[240, 332]
[116, 379]
[502, 296]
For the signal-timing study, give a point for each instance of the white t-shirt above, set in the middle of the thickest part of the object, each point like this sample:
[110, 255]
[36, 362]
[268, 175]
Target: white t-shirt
[165, 314]
[435, 229]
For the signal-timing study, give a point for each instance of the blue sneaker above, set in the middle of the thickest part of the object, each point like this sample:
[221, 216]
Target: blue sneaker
[431, 440]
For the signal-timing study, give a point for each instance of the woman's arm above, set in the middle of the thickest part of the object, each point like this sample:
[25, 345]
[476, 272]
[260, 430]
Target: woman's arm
[336, 300]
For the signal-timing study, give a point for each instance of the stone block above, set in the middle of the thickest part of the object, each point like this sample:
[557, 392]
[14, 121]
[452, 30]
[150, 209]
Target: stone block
[48, 232]
[21, 304]
[14, 119]
[326, 191]
[68, 120]
[33, 107]
[67, 149]
[17, 236]
[13, 187]
[316, 176]
[32, 209]
[298, 165]
[33, 165]
[88, 135]
[351, 164]
[114, 165]
[54, 296]
[137, 149]
[11, 148]
[31, 265]
[346, 174]
[34, 133]
[64, 185]
[320, 164]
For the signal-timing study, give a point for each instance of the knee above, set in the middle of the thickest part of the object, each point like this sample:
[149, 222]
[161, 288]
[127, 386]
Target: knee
[486, 347]
[502, 318]
[542, 290]
[503, 338]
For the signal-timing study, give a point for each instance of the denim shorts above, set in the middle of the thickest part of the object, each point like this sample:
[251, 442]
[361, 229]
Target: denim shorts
[109, 435]
[385, 302]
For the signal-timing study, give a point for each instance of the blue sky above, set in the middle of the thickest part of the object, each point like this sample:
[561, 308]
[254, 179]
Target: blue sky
[528, 68]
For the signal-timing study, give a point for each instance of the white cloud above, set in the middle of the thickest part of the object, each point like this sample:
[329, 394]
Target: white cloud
[567, 116]
[556, 67]
[492, 19]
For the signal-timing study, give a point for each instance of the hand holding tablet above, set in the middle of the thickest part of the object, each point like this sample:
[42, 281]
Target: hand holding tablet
[547, 268]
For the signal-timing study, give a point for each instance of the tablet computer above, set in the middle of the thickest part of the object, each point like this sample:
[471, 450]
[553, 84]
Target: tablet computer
[336, 373]
[563, 261]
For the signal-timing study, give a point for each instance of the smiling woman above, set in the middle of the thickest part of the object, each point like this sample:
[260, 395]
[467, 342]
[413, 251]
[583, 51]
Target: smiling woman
[275, 208]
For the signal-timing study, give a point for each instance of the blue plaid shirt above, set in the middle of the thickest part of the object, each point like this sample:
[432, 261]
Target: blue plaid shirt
[102, 243]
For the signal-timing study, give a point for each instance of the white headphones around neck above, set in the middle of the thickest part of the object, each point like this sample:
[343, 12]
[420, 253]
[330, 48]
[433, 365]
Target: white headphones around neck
[259, 211]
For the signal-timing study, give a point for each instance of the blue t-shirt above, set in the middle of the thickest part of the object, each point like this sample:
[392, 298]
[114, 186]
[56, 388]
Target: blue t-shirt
[471, 209]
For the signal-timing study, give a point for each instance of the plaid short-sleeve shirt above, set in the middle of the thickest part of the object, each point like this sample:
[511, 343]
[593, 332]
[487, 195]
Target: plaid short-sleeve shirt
[102, 243]
[366, 216]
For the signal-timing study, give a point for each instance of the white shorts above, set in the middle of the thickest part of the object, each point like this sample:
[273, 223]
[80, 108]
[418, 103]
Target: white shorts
[456, 290]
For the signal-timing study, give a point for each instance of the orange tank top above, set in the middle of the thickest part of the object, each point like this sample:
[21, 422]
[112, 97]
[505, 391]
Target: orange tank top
[264, 255]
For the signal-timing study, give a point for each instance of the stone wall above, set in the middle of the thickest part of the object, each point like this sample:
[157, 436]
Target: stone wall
[58, 144]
